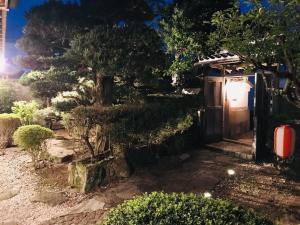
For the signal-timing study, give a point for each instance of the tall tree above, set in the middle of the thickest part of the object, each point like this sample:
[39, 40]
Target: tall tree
[265, 38]
[128, 52]
[186, 26]
[48, 32]
[114, 11]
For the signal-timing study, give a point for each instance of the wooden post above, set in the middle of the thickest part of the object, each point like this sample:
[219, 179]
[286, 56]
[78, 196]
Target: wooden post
[261, 119]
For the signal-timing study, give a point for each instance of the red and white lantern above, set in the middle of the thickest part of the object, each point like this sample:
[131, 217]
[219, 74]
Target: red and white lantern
[284, 141]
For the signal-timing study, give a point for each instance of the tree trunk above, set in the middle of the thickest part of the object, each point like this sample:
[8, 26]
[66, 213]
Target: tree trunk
[104, 90]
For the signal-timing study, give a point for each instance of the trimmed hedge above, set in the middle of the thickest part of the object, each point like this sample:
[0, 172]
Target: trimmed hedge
[181, 209]
[32, 138]
[8, 125]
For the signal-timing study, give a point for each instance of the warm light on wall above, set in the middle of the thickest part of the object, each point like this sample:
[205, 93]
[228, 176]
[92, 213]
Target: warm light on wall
[237, 93]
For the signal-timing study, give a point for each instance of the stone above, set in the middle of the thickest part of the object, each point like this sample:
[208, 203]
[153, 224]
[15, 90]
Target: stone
[59, 151]
[10, 223]
[9, 194]
[49, 198]
[85, 175]
[121, 167]
[91, 205]
[184, 157]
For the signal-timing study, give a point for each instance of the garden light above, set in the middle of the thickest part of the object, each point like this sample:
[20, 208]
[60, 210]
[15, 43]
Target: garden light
[237, 93]
[207, 195]
[231, 172]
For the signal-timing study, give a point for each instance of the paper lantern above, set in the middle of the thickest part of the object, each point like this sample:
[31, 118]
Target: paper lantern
[284, 141]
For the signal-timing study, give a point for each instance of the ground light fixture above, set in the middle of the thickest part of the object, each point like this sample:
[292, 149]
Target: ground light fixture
[207, 195]
[231, 172]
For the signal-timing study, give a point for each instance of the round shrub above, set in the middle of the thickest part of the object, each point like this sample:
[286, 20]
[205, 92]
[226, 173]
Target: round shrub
[9, 123]
[181, 209]
[32, 138]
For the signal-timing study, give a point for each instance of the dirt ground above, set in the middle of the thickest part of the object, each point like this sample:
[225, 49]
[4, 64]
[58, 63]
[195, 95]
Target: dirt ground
[258, 186]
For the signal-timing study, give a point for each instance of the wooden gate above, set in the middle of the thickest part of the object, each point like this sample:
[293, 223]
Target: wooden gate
[213, 119]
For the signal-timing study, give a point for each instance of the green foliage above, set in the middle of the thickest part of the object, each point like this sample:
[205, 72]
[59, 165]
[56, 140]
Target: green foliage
[56, 80]
[40, 116]
[8, 125]
[264, 38]
[185, 28]
[7, 97]
[25, 110]
[181, 209]
[172, 128]
[28, 78]
[64, 106]
[32, 139]
[129, 123]
[48, 31]
[127, 52]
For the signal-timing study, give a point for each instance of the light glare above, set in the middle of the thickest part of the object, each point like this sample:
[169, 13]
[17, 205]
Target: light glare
[231, 172]
[207, 195]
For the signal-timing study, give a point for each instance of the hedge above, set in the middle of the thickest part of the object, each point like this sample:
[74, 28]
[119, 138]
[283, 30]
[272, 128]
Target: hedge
[181, 209]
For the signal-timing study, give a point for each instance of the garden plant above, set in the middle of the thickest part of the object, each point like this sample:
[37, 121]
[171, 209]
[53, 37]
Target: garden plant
[32, 139]
[181, 209]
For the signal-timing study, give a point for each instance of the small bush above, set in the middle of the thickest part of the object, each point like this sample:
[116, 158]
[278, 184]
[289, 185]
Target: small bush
[40, 116]
[25, 110]
[32, 138]
[9, 123]
[181, 209]
[7, 97]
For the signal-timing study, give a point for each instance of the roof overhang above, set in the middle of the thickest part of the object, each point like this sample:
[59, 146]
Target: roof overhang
[222, 58]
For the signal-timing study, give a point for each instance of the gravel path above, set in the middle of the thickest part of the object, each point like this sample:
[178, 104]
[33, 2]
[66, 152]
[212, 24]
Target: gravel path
[258, 186]
[18, 185]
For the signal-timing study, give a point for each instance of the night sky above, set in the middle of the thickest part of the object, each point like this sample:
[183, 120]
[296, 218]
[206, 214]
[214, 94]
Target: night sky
[16, 22]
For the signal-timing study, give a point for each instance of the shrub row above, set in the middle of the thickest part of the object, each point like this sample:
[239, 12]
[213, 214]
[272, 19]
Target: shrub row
[181, 209]
[8, 125]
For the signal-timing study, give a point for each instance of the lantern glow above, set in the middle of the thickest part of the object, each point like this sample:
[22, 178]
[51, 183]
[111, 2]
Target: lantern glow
[237, 93]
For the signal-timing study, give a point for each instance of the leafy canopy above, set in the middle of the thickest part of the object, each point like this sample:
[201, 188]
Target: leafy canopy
[186, 26]
[265, 37]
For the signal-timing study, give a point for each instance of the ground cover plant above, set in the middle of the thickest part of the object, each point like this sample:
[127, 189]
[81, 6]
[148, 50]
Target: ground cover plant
[181, 209]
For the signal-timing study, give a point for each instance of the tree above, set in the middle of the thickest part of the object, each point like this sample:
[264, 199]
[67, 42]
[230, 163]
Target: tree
[48, 32]
[186, 28]
[265, 38]
[47, 84]
[121, 45]
[128, 52]
[113, 11]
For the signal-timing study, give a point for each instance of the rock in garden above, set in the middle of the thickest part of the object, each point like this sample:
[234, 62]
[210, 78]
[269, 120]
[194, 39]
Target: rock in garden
[9, 194]
[59, 151]
[184, 157]
[49, 198]
[93, 204]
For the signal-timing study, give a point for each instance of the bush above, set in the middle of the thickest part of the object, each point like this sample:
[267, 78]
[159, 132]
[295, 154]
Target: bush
[32, 138]
[7, 97]
[25, 110]
[181, 209]
[9, 123]
[39, 116]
